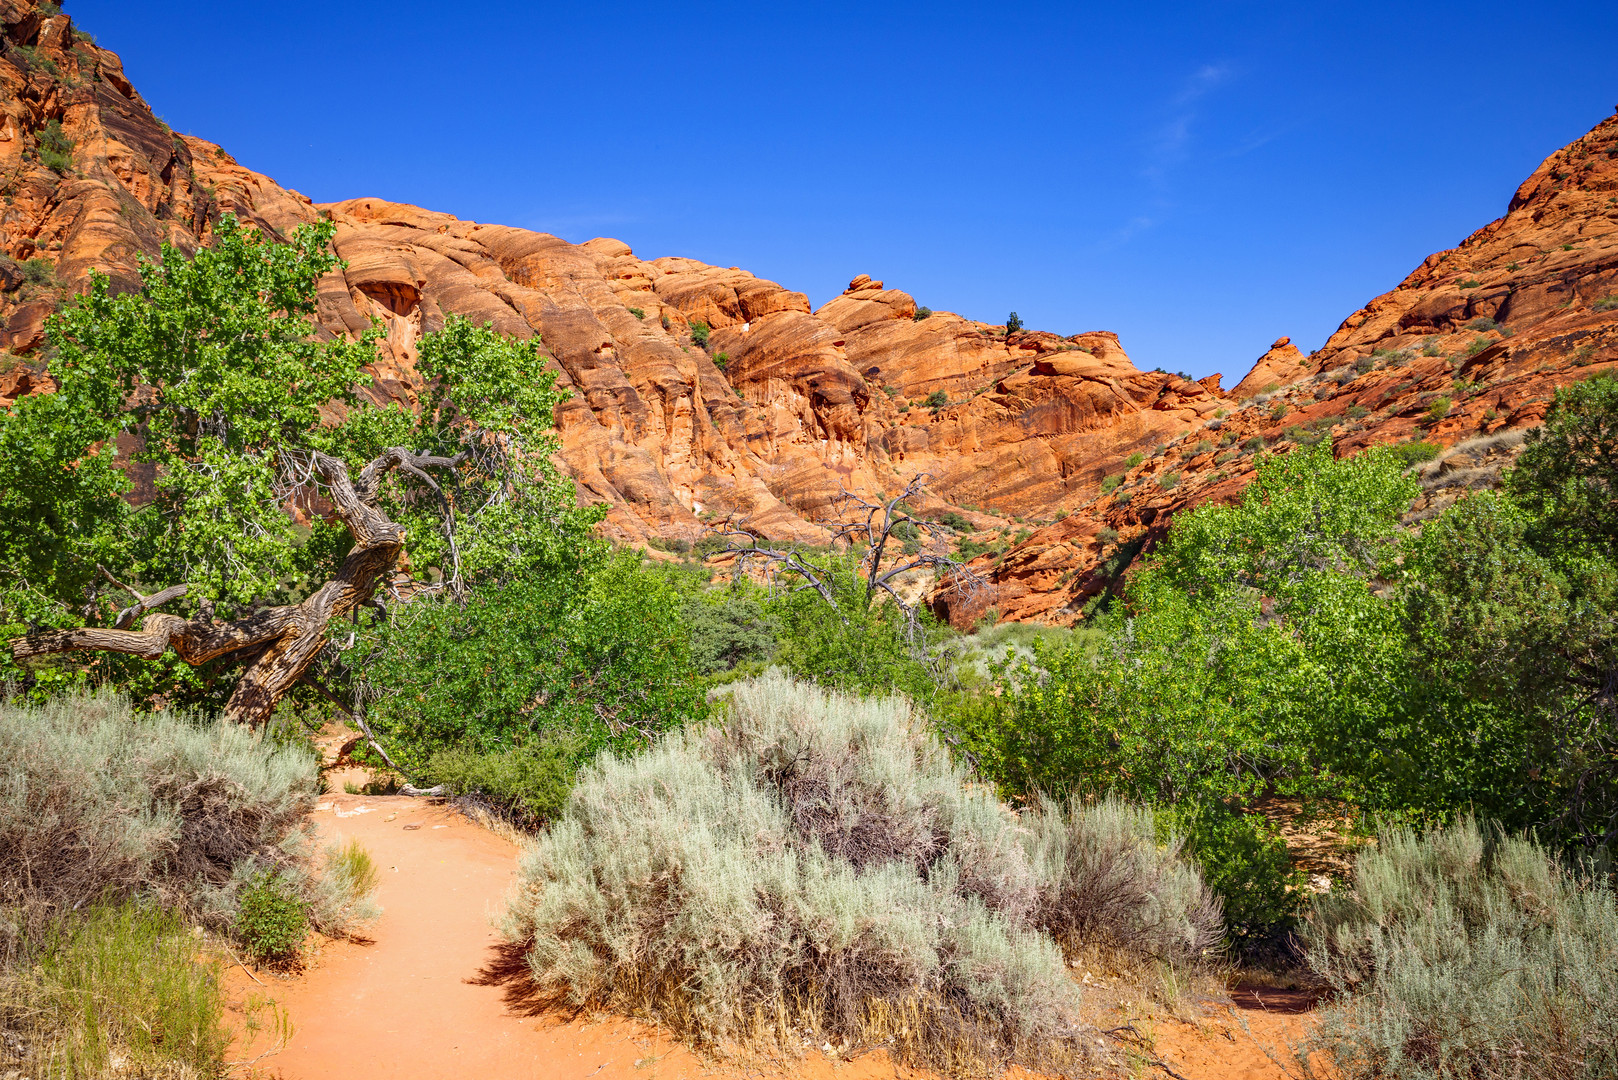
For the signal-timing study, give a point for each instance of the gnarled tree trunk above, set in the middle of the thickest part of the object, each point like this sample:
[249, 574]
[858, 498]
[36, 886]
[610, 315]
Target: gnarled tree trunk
[284, 640]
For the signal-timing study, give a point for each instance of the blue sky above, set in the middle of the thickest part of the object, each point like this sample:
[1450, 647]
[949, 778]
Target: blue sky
[1199, 178]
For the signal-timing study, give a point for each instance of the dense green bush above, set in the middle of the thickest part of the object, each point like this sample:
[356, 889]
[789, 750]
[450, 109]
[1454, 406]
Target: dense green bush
[699, 333]
[728, 629]
[544, 667]
[936, 400]
[271, 919]
[1458, 953]
[816, 862]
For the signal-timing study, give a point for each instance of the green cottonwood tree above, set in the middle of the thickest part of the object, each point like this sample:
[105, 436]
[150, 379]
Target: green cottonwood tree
[263, 474]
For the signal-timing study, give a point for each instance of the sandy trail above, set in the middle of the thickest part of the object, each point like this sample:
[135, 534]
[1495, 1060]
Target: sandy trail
[433, 994]
[424, 996]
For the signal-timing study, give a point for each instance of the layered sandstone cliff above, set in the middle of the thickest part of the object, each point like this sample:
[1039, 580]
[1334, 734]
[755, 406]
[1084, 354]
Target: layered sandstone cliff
[787, 407]
[783, 410]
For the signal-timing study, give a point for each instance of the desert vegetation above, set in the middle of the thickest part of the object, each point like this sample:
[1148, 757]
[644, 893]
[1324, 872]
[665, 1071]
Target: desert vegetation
[772, 801]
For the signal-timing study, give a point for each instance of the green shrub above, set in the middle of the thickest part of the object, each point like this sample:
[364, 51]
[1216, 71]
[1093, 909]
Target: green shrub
[955, 520]
[721, 360]
[1606, 303]
[667, 322]
[116, 989]
[1415, 452]
[1365, 364]
[1013, 323]
[1256, 442]
[936, 400]
[1108, 483]
[728, 630]
[1469, 955]
[1202, 447]
[528, 785]
[1246, 863]
[1357, 412]
[639, 313]
[271, 919]
[1438, 409]
[1470, 283]
[1169, 481]
[38, 271]
[816, 861]
[1134, 459]
[55, 148]
[699, 333]
[1478, 345]
[586, 659]
[1279, 409]
[1483, 323]
[1106, 535]
[922, 313]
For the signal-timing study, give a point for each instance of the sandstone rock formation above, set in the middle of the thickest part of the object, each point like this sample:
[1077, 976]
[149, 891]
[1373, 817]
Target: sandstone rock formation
[787, 407]
[1465, 352]
[783, 410]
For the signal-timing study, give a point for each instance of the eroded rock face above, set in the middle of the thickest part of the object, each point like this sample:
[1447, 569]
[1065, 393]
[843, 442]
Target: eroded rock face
[1466, 351]
[784, 410]
[788, 407]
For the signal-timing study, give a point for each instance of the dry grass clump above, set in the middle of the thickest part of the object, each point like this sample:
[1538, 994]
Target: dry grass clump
[1461, 954]
[812, 869]
[119, 990]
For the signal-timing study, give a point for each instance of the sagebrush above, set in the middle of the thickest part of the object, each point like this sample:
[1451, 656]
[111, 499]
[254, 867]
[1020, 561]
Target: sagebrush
[1461, 953]
[814, 866]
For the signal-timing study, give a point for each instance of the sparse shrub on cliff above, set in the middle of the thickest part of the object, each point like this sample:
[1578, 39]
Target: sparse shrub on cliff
[1279, 410]
[1253, 443]
[1460, 953]
[721, 360]
[1606, 303]
[1469, 283]
[936, 400]
[1478, 345]
[1416, 451]
[1483, 324]
[1438, 409]
[815, 863]
[1202, 447]
[1108, 483]
[699, 333]
[55, 148]
[1169, 481]
[1106, 535]
[954, 520]
[38, 271]
[922, 313]
[667, 322]
[1357, 412]
[1365, 364]
[1134, 459]
[638, 313]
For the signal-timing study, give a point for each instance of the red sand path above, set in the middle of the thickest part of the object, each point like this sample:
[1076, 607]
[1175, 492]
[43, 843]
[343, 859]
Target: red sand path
[425, 997]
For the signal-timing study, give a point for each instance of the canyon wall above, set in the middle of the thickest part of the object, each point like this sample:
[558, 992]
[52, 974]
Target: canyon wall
[785, 407]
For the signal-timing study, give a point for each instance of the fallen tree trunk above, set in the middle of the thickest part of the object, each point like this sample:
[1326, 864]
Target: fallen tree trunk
[287, 638]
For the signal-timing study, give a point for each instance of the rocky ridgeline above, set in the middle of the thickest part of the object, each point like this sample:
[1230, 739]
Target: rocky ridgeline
[786, 407]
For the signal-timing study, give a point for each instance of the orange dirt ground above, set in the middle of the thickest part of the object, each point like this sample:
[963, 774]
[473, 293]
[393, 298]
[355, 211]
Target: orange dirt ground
[433, 994]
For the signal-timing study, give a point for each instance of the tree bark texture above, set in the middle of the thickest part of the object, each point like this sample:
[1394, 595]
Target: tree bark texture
[285, 639]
